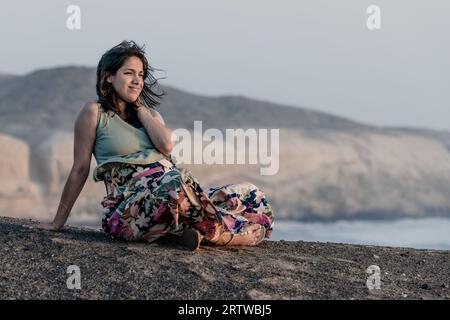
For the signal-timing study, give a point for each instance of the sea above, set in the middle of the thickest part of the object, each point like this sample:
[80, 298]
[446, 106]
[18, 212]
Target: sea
[424, 233]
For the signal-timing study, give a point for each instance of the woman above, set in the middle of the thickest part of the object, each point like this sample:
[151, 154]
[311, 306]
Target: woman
[147, 195]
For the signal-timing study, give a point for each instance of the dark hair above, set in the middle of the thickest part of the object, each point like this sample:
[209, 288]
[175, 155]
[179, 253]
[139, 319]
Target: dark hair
[111, 61]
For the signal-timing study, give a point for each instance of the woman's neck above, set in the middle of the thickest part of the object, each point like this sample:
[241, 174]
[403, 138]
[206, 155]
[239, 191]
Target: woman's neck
[121, 105]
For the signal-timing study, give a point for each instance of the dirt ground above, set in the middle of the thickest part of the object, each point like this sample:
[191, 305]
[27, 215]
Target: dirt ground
[34, 265]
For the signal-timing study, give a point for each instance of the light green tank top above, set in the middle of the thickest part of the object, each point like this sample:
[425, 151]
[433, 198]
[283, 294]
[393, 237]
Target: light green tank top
[117, 141]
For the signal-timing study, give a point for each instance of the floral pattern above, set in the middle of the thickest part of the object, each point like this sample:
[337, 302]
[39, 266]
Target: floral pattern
[146, 202]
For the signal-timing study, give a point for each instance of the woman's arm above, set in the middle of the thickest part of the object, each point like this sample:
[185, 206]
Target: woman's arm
[71, 191]
[84, 140]
[155, 126]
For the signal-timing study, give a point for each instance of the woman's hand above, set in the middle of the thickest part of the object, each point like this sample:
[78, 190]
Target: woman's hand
[49, 226]
[44, 226]
[154, 124]
[138, 104]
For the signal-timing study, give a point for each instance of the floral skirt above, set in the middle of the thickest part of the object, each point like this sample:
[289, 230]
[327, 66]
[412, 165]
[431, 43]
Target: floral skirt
[146, 202]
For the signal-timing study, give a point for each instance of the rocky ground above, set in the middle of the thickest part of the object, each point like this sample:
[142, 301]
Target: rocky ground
[34, 265]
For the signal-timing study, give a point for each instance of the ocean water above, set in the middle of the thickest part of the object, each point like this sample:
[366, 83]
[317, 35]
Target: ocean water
[429, 233]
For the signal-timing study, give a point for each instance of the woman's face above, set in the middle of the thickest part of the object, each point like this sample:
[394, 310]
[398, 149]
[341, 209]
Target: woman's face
[129, 79]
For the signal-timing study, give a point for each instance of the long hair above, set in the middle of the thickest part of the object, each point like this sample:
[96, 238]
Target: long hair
[111, 61]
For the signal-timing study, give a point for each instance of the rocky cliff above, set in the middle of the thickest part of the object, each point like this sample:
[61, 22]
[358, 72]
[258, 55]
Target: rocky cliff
[329, 167]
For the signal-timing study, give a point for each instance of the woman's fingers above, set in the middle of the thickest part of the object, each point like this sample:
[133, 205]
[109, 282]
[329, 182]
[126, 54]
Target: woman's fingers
[42, 226]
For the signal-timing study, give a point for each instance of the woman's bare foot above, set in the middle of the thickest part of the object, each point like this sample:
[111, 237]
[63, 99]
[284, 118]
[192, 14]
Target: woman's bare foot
[254, 235]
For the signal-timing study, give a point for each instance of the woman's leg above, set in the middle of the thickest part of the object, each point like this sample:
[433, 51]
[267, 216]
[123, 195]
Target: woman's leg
[247, 202]
[131, 211]
[252, 235]
[173, 201]
[151, 202]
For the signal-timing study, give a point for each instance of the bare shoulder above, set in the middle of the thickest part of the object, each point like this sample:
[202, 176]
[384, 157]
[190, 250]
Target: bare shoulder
[90, 111]
[91, 108]
[88, 115]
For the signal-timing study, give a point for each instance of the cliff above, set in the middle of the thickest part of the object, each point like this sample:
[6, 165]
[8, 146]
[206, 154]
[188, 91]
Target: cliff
[330, 168]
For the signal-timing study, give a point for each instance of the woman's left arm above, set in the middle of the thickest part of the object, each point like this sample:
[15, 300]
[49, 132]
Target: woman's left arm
[155, 126]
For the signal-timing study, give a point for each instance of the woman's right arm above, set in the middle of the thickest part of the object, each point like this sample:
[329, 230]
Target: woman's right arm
[84, 140]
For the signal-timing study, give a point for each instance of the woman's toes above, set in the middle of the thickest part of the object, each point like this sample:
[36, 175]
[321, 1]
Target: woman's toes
[259, 235]
[256, 235]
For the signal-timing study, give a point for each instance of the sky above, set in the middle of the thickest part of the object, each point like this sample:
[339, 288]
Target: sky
[316, 54]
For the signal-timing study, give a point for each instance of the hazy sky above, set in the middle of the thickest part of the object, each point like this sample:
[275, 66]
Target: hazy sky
[316, 54]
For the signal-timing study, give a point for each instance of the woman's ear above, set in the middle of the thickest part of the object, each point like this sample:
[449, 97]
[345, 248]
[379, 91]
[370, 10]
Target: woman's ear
[108, 77]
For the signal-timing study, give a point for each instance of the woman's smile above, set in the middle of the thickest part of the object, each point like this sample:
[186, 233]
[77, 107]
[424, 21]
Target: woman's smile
[134, 89]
